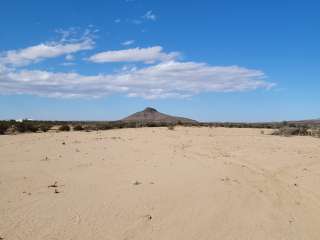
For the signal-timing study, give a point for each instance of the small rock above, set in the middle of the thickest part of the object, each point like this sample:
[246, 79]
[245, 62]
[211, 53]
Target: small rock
[137, 183]
[225, 179]
[56, 191]
[63, 143]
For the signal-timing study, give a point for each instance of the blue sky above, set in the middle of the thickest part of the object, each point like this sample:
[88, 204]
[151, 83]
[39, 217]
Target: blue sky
[208, 60]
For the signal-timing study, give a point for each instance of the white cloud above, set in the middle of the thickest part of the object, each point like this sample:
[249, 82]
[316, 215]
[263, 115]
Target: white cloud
[150, 16]
[136, 21]
[118, 20]
[165, 80]
[33, 54]
[69, 57]
[147, 55]
[66, 64]
[127, 43]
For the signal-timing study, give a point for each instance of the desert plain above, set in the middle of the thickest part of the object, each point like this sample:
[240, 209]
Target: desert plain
[154, 183]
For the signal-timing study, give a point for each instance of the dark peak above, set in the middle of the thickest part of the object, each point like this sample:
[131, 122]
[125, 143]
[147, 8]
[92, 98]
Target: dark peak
[150, 109]
[149, 115]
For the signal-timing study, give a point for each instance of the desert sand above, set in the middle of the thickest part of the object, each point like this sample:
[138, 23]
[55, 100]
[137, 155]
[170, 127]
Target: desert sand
[155, 183]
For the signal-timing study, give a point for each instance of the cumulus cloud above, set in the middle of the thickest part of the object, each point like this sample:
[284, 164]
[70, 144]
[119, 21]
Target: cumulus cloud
[36, 53]
[127, 43]
[164, 80]
[136, 21]
[146, 55]
[150, 16]
[166, 77]
[69, 57]
[66, 64]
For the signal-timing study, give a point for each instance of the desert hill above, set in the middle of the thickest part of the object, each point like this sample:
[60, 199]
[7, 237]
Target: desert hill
[152, 115]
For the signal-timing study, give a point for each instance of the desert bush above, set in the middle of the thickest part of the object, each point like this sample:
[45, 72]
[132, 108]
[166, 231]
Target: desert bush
[291, 131]
[315, 132]
[180, 123]
[26, 127]
[171, 127]
[105, 126]
[45, 127]
[64, 128]
[131, 124]
[152, 124]
[4, 127]
[78, 128]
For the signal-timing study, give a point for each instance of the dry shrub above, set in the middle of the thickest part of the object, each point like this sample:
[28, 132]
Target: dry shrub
[26, 127]
[291, 131]
[65, 128]
[3, 128]
[78, 128]
[171, 127]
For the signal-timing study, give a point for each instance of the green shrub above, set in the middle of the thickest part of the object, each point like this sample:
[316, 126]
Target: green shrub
[64, 128]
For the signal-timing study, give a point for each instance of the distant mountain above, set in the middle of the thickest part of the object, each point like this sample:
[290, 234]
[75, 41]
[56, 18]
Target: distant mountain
[152, 115]
[309, 122]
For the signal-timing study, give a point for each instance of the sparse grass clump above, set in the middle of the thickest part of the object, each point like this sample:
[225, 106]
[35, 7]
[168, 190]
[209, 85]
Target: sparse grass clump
[64, 128]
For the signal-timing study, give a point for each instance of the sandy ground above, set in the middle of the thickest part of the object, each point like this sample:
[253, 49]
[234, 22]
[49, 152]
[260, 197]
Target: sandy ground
[153, 183]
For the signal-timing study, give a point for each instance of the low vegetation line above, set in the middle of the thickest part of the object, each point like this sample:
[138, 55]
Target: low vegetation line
[281, 128]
